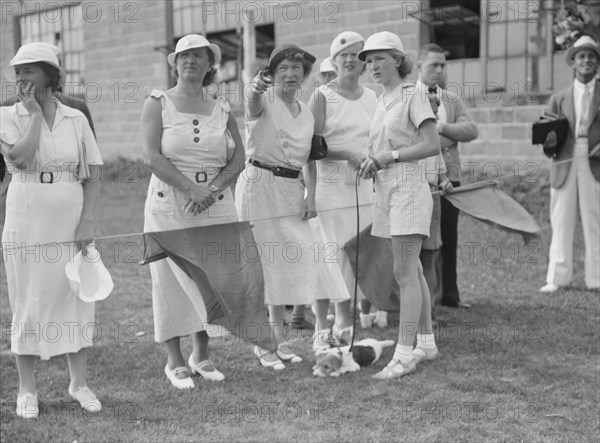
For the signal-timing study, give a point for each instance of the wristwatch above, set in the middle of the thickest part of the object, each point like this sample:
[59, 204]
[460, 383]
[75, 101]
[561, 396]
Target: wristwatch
[214, 188]
[396, 155]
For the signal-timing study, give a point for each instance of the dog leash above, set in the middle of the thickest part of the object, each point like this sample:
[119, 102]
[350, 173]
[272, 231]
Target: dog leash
[356, 181]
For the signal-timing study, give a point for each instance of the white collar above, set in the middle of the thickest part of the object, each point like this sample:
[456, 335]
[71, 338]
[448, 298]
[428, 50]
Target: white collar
[581, 86]
[61, 110]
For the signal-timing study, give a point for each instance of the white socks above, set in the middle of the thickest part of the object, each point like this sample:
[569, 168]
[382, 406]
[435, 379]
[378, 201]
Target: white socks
[403, 353]
[426, 341]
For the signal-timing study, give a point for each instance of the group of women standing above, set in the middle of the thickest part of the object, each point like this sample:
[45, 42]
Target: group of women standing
[193, 147]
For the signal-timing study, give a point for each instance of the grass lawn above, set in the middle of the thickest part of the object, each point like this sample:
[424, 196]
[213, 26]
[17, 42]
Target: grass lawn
[517, 366]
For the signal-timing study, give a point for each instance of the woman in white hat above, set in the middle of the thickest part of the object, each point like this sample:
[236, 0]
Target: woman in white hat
[49, 202]
[192, 145]
[403, 132]
[271, 191]
[343, 110]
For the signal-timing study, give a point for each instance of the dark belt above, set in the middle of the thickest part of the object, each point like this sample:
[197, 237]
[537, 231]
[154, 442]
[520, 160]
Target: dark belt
[279, 171]
[201, 177]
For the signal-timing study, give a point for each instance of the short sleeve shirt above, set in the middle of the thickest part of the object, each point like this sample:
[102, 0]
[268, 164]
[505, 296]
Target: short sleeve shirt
[398, 117]
[59, 147]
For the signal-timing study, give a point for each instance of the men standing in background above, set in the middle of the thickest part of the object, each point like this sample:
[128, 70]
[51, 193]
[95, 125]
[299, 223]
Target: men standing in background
[453, 126]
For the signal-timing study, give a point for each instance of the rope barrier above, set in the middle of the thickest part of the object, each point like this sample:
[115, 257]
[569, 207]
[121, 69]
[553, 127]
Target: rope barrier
[357, 206]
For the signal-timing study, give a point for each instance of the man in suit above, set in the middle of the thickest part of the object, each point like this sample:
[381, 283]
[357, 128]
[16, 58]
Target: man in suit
[67, 100]
[575, 173]
[454, 125]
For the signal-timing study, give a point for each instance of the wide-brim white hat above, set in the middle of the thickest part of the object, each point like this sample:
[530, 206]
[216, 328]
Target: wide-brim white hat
[381, 41]
[585, 42]
[193, 41]
[88, 277]
[35, 53]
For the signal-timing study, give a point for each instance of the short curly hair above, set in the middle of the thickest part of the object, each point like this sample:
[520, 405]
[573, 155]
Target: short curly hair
[209, 78]
[297, 57]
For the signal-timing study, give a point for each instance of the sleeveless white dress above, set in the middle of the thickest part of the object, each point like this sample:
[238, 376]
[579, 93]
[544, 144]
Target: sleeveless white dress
[197, 146]
[346, 129]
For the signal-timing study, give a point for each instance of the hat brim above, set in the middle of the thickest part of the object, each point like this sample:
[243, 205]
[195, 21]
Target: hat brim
[284, 52]
[216, 51]
[89, 279]
[346, 45]
[362, 55]
[9, 71]
[574, 50]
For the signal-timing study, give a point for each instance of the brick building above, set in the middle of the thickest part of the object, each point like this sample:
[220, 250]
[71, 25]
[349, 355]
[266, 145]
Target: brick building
[501, 53]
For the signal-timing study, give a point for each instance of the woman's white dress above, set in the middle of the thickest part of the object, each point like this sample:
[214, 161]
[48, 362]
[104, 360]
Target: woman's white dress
[346, 130]
[48, 318]
[197, 145]
[274, 204]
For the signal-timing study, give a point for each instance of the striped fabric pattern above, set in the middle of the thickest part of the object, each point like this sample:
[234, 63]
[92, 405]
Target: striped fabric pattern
[403, 200]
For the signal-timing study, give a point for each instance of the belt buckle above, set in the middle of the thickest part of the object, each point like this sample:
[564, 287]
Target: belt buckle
[277, 170]
[201, 177]
[47, 177]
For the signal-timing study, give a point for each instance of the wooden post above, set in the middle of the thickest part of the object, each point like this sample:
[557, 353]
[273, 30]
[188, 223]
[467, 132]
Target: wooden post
[548, 4]
[249, 47]
[169, 38]
[483, 43]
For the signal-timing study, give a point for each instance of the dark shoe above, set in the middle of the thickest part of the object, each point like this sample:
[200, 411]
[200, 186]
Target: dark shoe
[302, 324]
[460, 305]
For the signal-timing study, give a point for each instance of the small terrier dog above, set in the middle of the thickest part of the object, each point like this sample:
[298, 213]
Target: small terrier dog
[333, 362]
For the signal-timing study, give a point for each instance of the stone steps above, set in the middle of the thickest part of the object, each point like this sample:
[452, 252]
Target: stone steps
[504, 133]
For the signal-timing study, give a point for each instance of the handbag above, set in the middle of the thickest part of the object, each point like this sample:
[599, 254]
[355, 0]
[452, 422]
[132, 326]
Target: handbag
[318, 148]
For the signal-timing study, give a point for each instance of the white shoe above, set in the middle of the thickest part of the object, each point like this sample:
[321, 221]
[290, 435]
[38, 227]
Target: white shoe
[381, 319]
[260, 353]
[366, 321]
[206, 369]
[87, 399]
[27, 406]
[549, 287]
[424, 354]
[287, 356]
[179, 383]
[396, 369]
